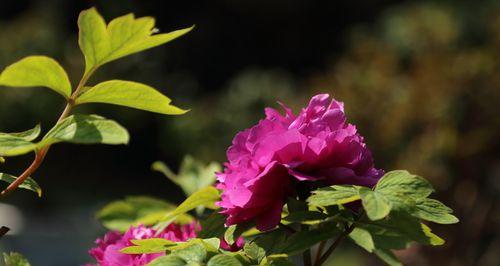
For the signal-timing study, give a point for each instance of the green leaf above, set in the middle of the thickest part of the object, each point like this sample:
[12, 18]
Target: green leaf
[303, 240]
[334, 195]
[254, 252]
[388, 257]
[213, 226]
[398, 229]
[362, 238]
[120, 215]
[277, 260]
[129, 94]
[193, 174]
[434, 239]
[123, 36]
[37, 71]
[305, 217]
[401, 182]
[223, 260]
[229, 235]
[271, 242]
[28, 135]
[374, 203]
[28, 184]
[434, 211]
[205, 197]
[192, 253]
[14, 146]
[15, 259]
[148, 246]
[86, 129]
[2, 160]
[168, 260]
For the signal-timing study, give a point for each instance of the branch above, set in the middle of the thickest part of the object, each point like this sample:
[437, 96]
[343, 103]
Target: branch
[337, 241]
[40, 155]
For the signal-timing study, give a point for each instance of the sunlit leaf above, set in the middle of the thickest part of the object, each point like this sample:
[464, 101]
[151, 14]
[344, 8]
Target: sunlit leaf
[398, 229]
[133, 210]
[28, 135]
[148, 246]
[129, 94]
[254, 252]
[206, 197]
[434, 211]
[192, 253]
[362, 238]
[28, 184]
[223, 260]
[334, 195]
[14, 146]
[15, 259]
[37, 71]
[167, 260]
[401, 182]
[123, 36]
[374, 203]
[86, 129]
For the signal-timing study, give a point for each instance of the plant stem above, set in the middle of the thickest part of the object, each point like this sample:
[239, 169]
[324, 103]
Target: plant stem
[335, 244]
[40, 155]
[319, 252]
[337, 241]
[306, 255]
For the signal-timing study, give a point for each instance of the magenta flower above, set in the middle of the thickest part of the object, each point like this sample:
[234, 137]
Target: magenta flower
[266, 161]
[107, 252]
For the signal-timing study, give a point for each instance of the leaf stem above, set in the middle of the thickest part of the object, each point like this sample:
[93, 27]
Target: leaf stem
[337, 241]
[40, 155]
[319, 252]
[306, 255]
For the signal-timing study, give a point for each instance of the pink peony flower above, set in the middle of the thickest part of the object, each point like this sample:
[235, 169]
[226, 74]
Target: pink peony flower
[267, 160]
[107, 252]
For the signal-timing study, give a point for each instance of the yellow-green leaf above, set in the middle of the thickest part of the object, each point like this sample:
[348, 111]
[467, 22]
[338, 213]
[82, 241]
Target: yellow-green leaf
[37, 71]
[86, 129]
[28, 184]
[14, 146]
[93, 38]
[434, 211]
[204, 197]
[334, 195]
[123, 36]
[28, 135]
[363, 238]
[374, 203]
[130, 94]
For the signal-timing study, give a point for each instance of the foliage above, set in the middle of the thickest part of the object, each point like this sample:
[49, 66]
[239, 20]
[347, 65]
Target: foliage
[100, 44]
[15, 259]
[396, 209]
[390, 216]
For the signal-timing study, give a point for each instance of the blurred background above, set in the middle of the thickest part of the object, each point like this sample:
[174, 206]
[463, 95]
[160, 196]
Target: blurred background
[420, 79]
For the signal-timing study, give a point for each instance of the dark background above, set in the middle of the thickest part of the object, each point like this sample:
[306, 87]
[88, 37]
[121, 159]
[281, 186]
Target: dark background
[420, 79]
